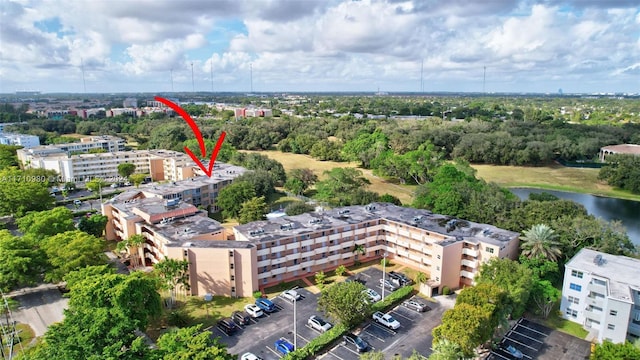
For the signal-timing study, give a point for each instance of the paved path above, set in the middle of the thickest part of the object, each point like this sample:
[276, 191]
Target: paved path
[312, 288]
[39, 307]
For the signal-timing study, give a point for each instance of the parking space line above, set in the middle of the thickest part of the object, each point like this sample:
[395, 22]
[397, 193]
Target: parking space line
[502, 356]
[521, 334]
[364, 274]
[403, 316]
[392, 332]
[348, 349]
[523, 344]
[332, 354]
[275, 352]
[532, 329]
[303, 338]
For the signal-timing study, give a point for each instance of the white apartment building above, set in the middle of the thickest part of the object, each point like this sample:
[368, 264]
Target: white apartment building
[26, 141]
[602, 293]
[159, 164]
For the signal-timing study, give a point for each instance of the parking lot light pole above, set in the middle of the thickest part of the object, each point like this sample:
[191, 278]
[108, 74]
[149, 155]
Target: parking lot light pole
[295, 329]
[384, 268]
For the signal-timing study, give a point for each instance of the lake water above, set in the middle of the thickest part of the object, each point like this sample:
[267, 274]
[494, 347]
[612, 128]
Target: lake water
[627, 211]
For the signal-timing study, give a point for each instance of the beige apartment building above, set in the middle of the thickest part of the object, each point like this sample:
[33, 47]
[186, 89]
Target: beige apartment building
[265, 253]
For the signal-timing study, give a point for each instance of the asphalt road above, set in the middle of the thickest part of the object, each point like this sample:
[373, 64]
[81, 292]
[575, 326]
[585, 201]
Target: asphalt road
[39, 307]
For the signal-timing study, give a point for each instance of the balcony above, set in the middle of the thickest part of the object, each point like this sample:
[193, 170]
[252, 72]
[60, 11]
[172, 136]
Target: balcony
[595, 301]
[335, 236]
[593, 314]
[597, 288]
[470, 252]
[467, 274]
[469, 263]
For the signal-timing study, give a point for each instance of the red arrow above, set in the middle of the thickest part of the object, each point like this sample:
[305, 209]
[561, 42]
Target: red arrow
[198, 134]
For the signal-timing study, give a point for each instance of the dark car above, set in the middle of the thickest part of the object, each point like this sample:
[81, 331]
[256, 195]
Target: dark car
[283, 346]
[265, 305]
[361, 281]
[356, 341]
[400, 278]
[241, 318]
[227, 326]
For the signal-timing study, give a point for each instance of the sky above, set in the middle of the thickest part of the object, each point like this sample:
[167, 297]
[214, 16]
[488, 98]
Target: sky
[528, 46]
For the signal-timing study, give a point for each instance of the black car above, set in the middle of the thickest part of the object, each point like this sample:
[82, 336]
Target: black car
[227, 326]
[356, 341]
[240, 318]
[400, 278]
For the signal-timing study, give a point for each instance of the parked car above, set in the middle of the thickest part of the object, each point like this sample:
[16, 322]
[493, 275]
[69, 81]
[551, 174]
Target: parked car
[517, 354]
[227, 326]
[416, 305]
[373, 295]
[241, 318]
[357, 279]
[386, 320]
[77, 202]
[266, 305]
[253, 310]
[250, 356]
[387, 285]
[401, 278]
[283, 346]
[290, 295]
[318, 324]
[355, 341]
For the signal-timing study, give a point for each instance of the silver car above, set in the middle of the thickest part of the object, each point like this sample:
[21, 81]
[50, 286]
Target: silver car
[415, 305]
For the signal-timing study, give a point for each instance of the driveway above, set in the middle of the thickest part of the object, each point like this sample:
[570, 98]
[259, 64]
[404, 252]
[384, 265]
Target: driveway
[39, 307]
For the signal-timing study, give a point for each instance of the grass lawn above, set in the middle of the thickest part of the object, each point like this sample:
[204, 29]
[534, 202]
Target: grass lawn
[554, 177]
[292, 161]
[556, 322]
[25, 333]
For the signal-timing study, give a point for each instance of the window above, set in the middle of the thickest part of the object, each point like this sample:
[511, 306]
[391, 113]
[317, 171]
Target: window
[576, 273]
[574, 300]
[438, 256]
[489, 250]
[264, 269]
[233, 277]
[295, 261]
[233, 289]
[611, 327]
[575, 287]
[230, 253]
[231, 266]
[613, 312]
[572, 313]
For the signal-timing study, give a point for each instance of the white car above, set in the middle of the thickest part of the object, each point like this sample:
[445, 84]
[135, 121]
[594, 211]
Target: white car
[253, 310]
[318, 324]
[386, 320]
[249, 356]
[290, 295]
[373, 295]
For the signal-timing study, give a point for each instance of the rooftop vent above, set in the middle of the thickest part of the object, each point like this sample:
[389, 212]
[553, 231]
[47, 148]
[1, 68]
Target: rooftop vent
[486, 232]
[172, 202]
[598, 260]
[370, 207]
[342, 212]
[286, 227]
[417, 219]
[451, 225]
[315, 221]
[256, 232]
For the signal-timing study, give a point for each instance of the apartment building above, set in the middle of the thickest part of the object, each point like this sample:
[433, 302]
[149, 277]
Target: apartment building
[602, 293]
[107, 143]
[448, 250]
[26, 141]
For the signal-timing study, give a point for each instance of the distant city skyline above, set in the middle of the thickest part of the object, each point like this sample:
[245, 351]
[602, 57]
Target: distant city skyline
[528, 46]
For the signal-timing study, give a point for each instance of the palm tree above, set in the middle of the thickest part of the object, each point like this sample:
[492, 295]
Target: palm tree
[540, 241]
[359, 249]
[131, 247]
[175, 273]
[421, 278]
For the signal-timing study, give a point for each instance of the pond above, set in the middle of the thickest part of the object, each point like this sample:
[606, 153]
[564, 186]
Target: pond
[627, 211]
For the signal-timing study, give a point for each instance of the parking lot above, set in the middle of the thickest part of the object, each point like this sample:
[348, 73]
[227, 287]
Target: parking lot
[414, 332]
[536, 341]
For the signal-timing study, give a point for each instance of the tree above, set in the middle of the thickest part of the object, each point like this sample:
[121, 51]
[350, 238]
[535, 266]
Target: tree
[388, 198]
[622, 171]
[262, 181]
[96, 185]
[8, 156]
[231, 198]
[70, 251]
[253, 209]
[610, 351]
[542, 268]
[20, 196]
[93, 225]
[372, 355]
[446, 350]
[487, 294]
[138, 179]
[76, 276]
[320, 279]
[295, 186]
[340, 186]
[365, 147]
[539, 240]
[131, 246]
[298, 207]
[305, 177]
[465, 325]
[174, 273]
[513, 278]
[22, 261]
[345, 302]
[544, 296]
[46, 223]
[126, 169]
[191, 343]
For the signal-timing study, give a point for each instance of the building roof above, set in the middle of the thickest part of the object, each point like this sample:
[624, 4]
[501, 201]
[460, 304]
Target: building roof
[622, 272]
[623, 149]
[221, 172]
[180, 230]
[453, 229]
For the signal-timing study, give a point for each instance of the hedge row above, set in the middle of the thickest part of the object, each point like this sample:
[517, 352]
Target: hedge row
[316, 345]
[321, 342]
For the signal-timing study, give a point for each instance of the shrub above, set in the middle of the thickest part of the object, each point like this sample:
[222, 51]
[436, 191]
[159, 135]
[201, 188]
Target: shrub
[179, 318]
[446, 290]
[384, 262]
[393, 299]
[340, 270]
[316, 345]
[257, 294]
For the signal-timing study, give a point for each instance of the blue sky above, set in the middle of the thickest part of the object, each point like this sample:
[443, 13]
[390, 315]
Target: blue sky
[580, 46]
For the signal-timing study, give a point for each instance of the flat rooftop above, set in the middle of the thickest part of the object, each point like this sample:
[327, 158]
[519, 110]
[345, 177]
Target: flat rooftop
[221, 172]
[180, 230]
[622, 272]
[454, 229]
[623, 149]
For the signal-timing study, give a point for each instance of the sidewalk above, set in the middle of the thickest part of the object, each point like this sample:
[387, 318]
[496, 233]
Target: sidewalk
[312, 288]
